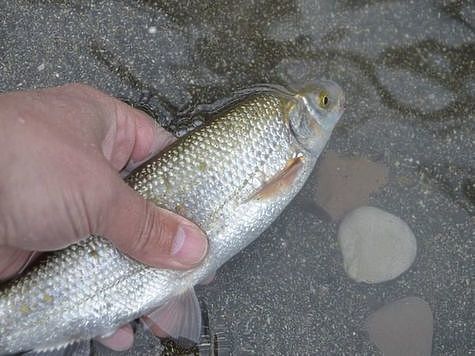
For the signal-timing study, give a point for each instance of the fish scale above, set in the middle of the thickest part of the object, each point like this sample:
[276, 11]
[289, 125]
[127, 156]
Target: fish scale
[240, 163]
[210, 176]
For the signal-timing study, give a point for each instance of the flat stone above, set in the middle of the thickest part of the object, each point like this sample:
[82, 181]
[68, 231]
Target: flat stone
[377, 246]
[404, 327]
[345, 183]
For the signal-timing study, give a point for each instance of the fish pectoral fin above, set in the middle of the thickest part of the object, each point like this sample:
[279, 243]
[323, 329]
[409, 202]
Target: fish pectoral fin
[78, 348]
[281, 182]
[179, 318]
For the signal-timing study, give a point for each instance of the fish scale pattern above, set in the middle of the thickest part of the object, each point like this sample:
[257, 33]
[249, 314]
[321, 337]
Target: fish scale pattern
[209, 176]
[242, 143]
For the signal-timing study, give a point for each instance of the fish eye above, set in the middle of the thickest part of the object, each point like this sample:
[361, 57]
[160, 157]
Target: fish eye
[323, 100]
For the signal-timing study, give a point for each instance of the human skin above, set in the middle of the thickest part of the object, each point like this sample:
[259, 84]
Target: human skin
[62, 151]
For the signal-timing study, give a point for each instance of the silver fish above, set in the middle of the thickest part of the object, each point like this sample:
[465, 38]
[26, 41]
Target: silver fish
[232, 176]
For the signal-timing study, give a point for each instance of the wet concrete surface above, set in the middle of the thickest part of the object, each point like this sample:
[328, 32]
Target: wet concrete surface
[407, 68]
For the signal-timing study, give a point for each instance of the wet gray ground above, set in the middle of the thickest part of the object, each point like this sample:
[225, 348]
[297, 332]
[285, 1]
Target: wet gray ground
[408, 70]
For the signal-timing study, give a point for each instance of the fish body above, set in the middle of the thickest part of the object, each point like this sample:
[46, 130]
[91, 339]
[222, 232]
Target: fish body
[232, 177]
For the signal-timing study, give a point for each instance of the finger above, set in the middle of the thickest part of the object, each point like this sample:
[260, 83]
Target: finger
[132, 164]
[148, 233]
[162, 139]
[132, 137]
[120, 340]
[150, 138]
[13, 261]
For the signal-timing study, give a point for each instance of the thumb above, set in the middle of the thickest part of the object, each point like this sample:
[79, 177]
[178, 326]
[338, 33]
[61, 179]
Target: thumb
[150, 234]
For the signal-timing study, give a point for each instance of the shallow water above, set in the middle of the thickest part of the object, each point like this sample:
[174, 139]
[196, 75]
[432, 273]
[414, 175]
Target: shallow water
[407, 138]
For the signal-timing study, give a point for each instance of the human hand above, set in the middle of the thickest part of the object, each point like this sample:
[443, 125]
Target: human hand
[61, 153]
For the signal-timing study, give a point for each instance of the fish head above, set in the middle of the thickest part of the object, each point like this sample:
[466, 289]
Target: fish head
[316, 109]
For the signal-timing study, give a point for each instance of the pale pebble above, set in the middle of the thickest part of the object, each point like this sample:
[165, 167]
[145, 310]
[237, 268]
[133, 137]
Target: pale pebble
[377, 246]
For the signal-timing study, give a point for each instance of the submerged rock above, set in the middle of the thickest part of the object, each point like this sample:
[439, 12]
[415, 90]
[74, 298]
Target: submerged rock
[404, 327]
[377, 246]
[345, 183]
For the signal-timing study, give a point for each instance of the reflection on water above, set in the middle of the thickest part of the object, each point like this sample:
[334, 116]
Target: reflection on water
[406, 142]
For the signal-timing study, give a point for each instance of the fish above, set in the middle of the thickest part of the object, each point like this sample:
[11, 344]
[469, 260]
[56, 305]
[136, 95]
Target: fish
[232, 176]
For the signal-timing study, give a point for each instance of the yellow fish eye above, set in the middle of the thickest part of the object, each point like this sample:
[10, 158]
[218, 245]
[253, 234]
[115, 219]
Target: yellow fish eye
[323, 100]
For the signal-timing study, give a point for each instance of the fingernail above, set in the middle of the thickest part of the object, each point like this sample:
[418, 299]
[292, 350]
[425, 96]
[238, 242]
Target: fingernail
[189, 246]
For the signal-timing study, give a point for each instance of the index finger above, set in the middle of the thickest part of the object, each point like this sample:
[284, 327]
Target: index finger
[149, 138]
